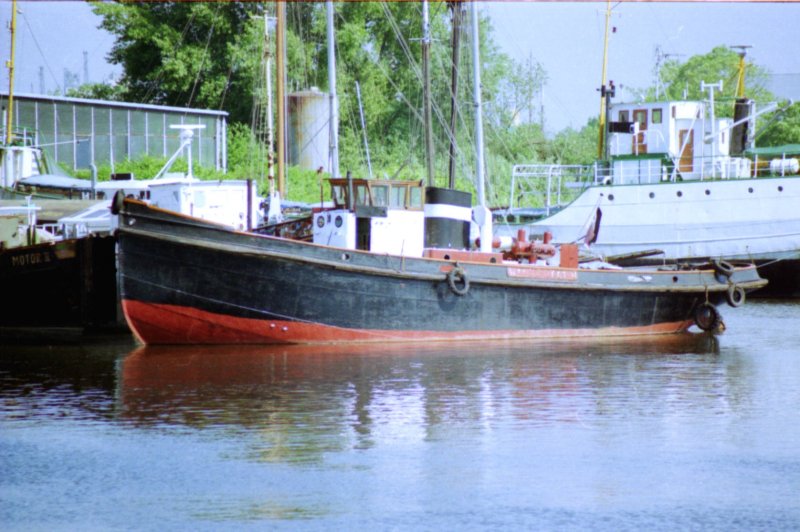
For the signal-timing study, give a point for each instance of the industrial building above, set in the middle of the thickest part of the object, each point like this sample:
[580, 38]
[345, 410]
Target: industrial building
[76, 132]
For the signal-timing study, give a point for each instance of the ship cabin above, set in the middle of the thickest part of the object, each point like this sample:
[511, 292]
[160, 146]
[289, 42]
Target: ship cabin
[382, 216]
[669, 141]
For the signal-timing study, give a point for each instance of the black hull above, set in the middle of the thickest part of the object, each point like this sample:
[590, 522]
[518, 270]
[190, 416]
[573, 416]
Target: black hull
[783, 277]
[184, 281]
[58, 290]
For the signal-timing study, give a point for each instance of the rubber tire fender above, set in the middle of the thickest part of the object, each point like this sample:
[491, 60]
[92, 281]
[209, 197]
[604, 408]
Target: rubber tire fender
[723, 267]
[735, 296]
[454, 277]
[706, 316]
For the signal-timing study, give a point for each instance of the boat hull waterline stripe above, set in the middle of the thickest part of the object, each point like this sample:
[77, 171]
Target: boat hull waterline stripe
[170, 324]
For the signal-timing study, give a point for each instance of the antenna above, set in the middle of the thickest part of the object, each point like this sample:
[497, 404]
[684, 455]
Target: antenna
[186, 135]
[661, 58]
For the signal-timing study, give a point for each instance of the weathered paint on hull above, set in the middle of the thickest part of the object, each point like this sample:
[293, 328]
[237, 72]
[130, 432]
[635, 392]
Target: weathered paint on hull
[189, 281]
[169, 324]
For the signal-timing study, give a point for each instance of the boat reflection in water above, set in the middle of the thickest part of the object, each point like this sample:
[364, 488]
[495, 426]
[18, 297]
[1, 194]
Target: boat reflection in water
[309, 400]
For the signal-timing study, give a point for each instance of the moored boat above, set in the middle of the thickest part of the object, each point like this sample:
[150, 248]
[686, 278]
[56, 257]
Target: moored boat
[188, 281]
[675, 184]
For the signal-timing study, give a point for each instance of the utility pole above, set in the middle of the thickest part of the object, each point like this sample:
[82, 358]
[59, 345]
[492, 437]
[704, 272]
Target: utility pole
[10, 64]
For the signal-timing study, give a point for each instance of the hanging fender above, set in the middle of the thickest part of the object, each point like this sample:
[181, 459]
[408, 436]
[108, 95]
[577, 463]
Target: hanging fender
[707, 317]
[735, 296]
[458, 281]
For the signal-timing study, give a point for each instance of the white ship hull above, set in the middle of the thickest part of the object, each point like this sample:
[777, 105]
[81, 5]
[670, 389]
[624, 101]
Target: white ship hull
[737, 219]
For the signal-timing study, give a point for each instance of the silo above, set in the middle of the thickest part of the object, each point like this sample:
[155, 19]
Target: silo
[308, 129]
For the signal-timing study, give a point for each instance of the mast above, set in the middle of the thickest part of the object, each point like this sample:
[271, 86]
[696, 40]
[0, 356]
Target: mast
[742, 109]
[740, 72]
[483, 216]
[456, 51]
[280, 67]
[333, 135]
[10, 64]
[270, 132]
[601, 137]
[426, 93]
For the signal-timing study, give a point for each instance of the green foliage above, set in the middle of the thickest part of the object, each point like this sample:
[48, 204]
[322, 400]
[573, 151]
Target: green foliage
[576, 147]
[720, 64]
[780, 128]
[211, 55]
[98, 91]
[192, 54]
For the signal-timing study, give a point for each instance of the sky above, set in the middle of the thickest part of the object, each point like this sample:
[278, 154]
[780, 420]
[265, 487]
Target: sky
[566, 38]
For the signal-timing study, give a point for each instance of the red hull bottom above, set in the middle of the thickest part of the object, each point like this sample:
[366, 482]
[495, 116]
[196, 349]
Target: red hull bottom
[169, 324]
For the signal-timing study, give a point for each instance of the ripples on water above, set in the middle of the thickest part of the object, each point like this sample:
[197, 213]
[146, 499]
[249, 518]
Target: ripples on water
[684, 431]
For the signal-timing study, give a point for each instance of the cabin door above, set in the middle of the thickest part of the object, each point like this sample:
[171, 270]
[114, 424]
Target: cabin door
[639, 142]
[686, 145]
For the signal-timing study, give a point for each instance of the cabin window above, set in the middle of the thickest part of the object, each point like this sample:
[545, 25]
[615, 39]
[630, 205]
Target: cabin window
[656, 116]
[415, 201]
[361, 195]
[623, 116]
[338, 196]
[380, 195]
[398, 197]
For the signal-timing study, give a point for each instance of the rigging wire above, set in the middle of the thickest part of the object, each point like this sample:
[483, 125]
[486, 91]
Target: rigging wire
[38, 47]
[200, 66]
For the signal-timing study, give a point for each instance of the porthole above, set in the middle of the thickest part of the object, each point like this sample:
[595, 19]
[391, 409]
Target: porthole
[447, 257]
[611, 197]
[652, 194]
[780, 189]
[338, 222]
[708, 192]
[750, 190]
[679, 194]
[675, 279]
[345, 256]
[321, 221]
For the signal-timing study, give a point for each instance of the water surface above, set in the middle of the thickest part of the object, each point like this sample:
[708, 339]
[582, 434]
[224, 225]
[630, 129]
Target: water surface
[678, 432]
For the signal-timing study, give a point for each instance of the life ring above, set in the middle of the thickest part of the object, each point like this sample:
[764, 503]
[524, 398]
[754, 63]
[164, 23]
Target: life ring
[723, 267]
[455, 277]
[706, 316]
[735, 296]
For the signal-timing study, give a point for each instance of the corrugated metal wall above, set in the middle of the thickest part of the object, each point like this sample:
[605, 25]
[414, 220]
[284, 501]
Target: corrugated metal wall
[76, 132]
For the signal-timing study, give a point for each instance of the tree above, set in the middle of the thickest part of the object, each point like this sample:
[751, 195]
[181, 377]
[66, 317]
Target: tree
[683, 79]
[722, 63]
[211, 54]
[780, 128]
[99, 91]
[192, 54]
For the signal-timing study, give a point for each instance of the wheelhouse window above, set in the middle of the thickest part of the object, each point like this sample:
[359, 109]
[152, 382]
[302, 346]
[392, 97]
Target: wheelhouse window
[378, 193]
[656, 116]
